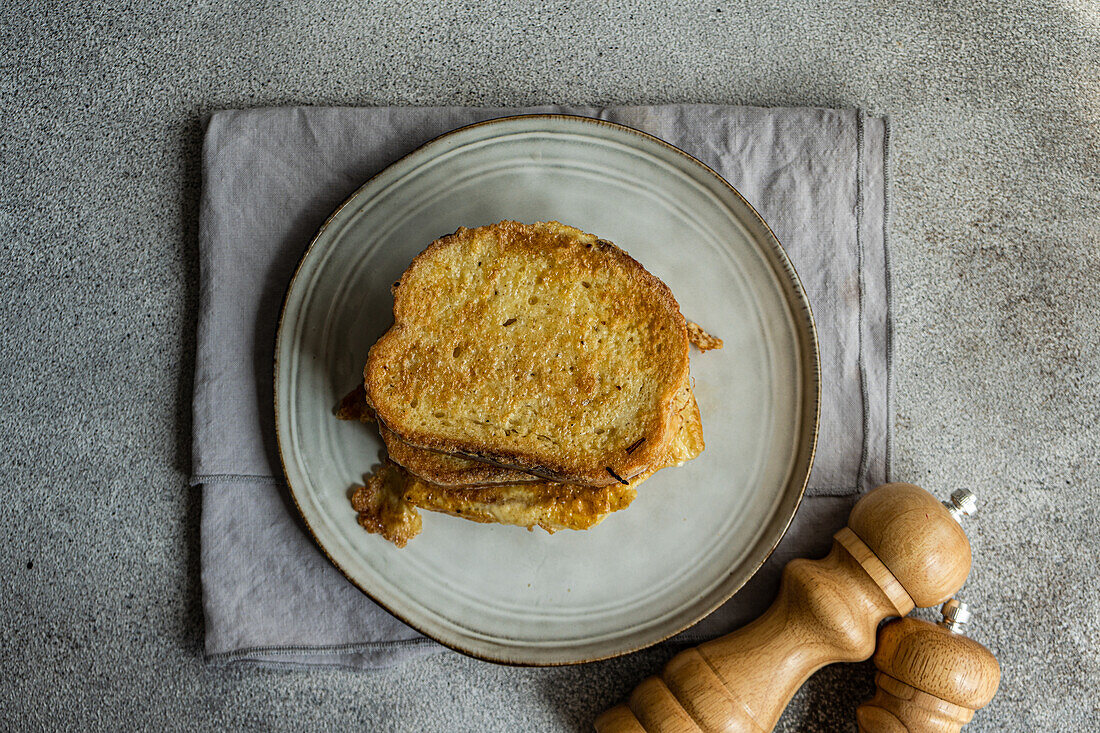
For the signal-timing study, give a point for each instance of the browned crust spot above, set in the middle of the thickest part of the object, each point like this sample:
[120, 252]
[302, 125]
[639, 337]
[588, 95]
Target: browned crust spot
[382, 508]
[448, 470]
[616, 476]
[353, 406]
[701, 339]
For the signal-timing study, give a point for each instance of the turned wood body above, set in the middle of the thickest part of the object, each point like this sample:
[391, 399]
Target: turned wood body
[901, 545]
[930, 680]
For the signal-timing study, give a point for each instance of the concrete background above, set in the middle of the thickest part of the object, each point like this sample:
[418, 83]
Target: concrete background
[996, 258]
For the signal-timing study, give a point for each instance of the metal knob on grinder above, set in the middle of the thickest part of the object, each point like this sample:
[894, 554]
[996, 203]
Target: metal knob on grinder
[902, 548]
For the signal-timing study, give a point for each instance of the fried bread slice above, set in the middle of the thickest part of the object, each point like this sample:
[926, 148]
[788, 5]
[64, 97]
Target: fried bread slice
[441, 469]
[444, 469]
[387, 504]
[536, 347]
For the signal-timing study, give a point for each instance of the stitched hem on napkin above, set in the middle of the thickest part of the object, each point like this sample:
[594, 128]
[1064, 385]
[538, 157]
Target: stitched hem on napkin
[318, 648]
[369, 656]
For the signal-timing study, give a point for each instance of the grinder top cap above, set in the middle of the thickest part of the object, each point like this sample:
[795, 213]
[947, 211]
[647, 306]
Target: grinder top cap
[938, 660]
[916, 538]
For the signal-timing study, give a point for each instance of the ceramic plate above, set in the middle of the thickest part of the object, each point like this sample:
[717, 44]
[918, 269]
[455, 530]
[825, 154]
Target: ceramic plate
[695, 534]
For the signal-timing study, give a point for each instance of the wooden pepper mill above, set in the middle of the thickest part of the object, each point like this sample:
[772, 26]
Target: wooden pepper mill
[931, 678]
[901, 548]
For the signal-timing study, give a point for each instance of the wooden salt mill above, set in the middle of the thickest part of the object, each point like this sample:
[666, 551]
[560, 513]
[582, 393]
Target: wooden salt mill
[902, 548]
[931, 678]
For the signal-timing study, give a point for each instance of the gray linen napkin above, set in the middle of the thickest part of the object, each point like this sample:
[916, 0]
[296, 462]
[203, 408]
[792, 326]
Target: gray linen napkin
[272, 176]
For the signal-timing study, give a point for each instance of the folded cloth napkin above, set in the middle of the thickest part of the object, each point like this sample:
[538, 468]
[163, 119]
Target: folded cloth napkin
[272, 176]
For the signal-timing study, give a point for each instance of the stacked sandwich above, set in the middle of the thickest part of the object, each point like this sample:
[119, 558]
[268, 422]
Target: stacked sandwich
[534, 375]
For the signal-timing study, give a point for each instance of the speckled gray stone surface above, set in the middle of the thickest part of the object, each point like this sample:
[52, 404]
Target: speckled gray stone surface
[996, 255]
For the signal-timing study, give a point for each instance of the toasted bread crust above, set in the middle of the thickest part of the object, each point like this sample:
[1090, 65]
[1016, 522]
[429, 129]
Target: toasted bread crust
[454, 472]
[702, 340]
[525, 505]
[387, 503]
[382, 508]
[353, 406]
[443, 469]
[596, 354]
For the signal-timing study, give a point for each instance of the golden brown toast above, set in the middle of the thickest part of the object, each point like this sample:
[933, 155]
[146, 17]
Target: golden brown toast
[444, 469]
[387, 503]
[353, 406]
[537, 347]
[702, 340]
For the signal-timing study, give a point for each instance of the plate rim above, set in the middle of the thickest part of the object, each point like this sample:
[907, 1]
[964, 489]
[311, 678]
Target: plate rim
[810, 403]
